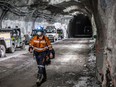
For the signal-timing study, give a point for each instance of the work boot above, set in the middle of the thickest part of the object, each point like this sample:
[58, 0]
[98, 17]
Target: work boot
[39, 78]
[44, 79]
[45, 75]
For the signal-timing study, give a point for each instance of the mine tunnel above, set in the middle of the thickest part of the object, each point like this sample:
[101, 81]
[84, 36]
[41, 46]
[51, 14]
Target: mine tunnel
[80, 26]
[83, 49]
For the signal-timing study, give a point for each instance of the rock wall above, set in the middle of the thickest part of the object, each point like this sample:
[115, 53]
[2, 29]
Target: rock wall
[27, 23]
[105, 17]
[13, 20]
[104, 13]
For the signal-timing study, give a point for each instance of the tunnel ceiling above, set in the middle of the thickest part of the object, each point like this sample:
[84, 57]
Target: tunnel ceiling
[46, 8]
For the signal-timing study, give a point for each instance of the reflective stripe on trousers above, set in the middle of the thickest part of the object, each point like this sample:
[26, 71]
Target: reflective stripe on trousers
[40, 58]
[41, 66]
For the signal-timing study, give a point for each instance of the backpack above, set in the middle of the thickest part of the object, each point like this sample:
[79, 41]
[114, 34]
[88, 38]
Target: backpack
[50, 51]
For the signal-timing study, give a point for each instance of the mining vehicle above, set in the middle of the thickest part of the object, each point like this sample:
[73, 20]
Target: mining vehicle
[10, 39]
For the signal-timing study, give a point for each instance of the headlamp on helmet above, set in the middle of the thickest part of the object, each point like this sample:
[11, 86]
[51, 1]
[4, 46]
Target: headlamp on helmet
[40, 30]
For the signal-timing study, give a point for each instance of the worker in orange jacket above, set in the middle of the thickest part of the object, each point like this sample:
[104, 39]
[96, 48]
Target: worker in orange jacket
[40, 44]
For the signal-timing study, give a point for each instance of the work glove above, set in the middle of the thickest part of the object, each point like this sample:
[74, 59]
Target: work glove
[51, 55]
[30, 49]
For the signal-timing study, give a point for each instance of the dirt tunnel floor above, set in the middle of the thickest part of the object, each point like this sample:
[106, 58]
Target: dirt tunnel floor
[74, 66]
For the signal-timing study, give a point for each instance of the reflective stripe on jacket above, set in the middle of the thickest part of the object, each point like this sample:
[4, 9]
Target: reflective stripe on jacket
[40, 45]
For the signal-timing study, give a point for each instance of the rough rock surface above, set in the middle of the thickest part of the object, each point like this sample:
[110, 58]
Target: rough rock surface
[104, 12]
[74, 66]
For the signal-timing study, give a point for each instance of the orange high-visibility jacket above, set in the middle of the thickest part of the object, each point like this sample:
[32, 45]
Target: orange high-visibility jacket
[40, 45]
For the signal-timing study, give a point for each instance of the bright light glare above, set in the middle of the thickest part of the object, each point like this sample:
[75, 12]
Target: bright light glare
[70, 8]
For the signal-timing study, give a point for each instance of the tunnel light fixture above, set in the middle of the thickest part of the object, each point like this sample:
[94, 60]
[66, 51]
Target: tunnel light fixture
[46, 0]
[46, 11]
[58, 1]
[78, 0]
[78, 12]
[75, 13]
[68, 9]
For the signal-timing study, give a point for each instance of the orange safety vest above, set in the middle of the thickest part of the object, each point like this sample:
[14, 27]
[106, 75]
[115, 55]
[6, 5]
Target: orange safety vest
[40, 45]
